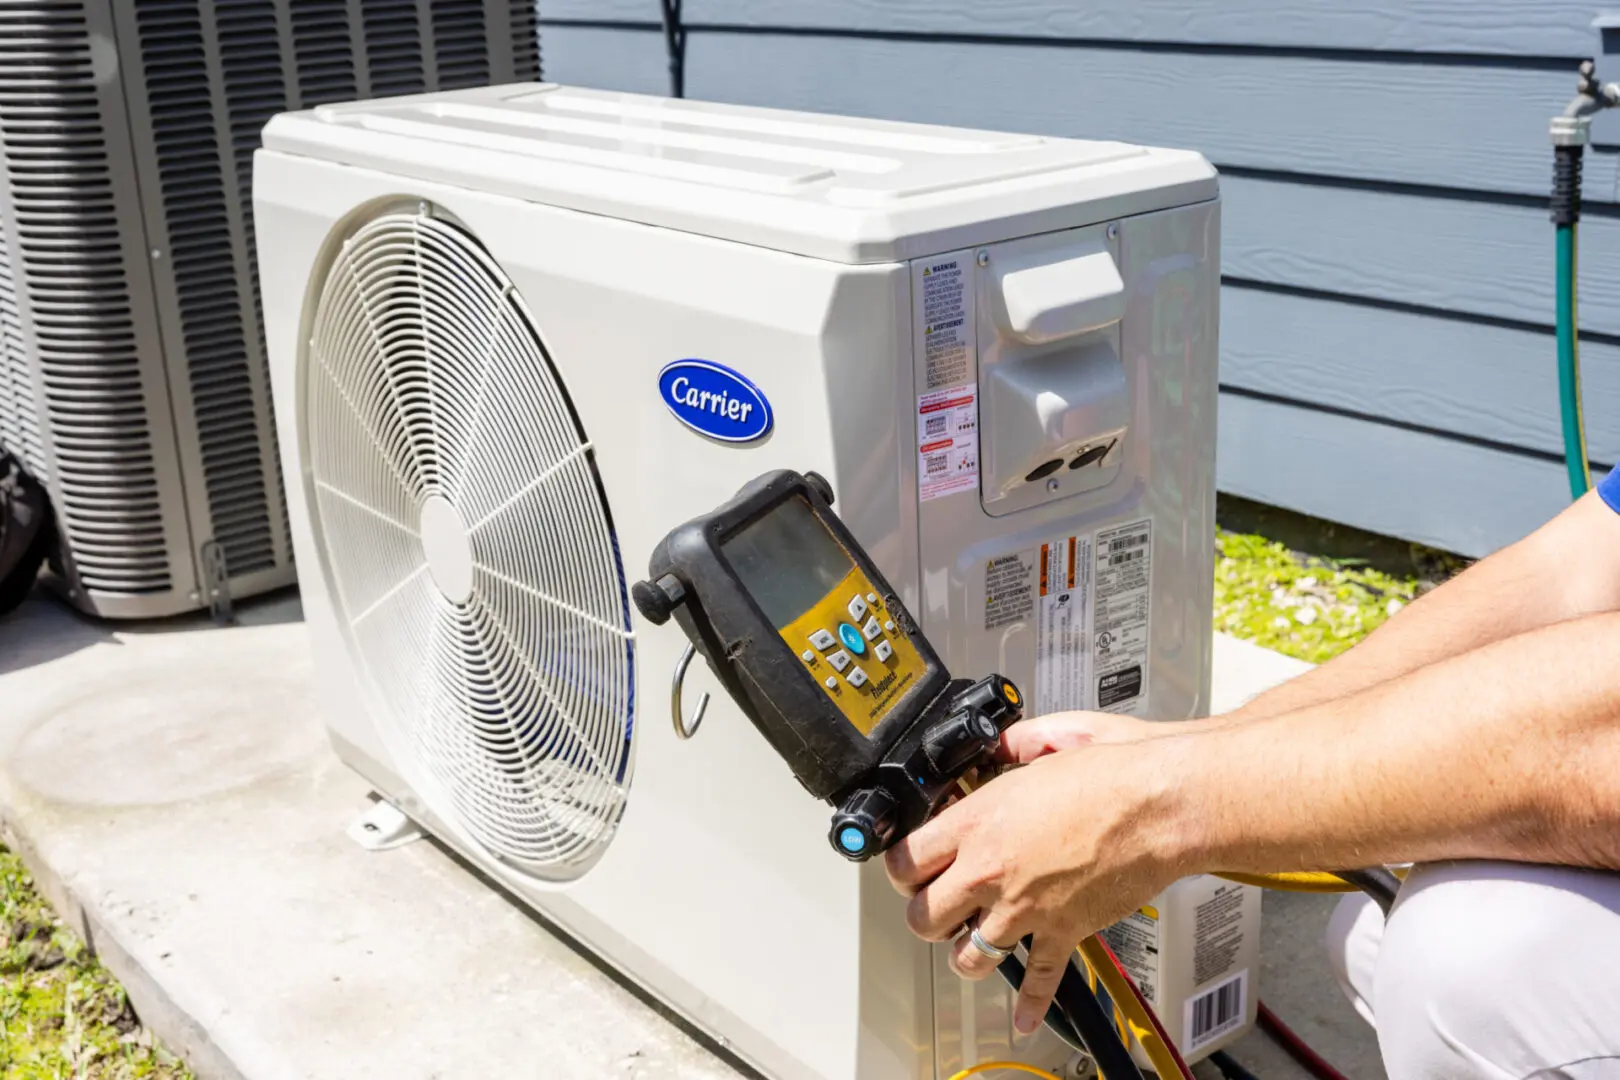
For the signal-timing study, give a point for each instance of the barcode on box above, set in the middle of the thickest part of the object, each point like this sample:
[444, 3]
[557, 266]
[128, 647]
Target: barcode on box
[1216, 1011]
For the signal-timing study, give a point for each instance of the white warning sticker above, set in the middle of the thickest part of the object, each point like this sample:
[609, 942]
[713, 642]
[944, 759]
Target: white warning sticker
[1009, 589]
[942, 294]
[1062, 635]
[947, 442]
[1124, 569]
[1089, 597]
[1135, 941]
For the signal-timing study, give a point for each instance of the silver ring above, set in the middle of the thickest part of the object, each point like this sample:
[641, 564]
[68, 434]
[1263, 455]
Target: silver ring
[994, 952]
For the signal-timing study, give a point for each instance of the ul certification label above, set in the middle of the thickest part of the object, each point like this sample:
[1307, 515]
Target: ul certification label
[1135, 941]
[1061, 632]
[947, 442]
[1124, 561]
[942, 293]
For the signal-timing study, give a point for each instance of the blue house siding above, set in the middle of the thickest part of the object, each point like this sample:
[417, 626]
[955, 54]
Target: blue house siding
[1387, 353]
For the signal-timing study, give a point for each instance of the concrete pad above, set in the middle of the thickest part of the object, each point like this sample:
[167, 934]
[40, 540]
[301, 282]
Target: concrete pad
[1243, 670]
[1294, 977]
[1296, 982]
[173, 791]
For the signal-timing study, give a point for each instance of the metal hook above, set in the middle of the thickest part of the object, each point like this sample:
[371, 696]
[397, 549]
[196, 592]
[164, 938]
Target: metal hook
[677, 714]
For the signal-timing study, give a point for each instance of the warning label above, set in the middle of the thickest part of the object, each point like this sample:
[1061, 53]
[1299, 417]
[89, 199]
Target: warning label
[1062, 655]
[947, 441]
[1009, 589]
[1124, 569]
[1089, 598]
[942, 289]
[948, 405]
[1218, 936]
[1135, 940]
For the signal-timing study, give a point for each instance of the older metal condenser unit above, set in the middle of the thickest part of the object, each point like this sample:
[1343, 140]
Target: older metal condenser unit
[132, 363]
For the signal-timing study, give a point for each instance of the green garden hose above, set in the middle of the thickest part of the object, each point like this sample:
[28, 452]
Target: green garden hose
[1569, 365]
[1566, 216]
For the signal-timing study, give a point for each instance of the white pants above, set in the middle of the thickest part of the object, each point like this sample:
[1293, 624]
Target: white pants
[1488, 970]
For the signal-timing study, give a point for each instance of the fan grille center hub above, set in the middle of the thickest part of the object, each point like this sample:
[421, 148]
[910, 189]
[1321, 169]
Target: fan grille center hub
[448, 548]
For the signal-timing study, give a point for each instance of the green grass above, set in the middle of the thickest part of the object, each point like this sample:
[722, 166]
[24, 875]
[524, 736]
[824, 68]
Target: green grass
[1310, 608]
[62, 1016]
[1309, 588]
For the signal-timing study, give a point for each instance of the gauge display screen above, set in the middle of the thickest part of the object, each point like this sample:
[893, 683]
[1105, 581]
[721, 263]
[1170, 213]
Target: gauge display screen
[787, 560]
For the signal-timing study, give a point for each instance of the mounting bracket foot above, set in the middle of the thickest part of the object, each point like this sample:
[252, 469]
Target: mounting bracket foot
[383, 827]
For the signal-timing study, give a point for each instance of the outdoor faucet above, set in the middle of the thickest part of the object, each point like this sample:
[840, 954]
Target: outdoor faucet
[1572, 127]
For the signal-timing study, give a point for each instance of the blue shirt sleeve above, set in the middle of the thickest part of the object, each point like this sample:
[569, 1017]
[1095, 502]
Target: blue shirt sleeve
[1609, 489]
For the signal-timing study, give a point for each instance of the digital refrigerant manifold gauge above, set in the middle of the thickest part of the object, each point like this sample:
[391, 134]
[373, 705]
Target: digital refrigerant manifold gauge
[815, 647]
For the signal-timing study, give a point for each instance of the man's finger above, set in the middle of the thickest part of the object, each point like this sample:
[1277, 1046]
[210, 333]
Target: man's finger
[1030, 739]
[925, 854]
[939, 909]
[972, 962]
[1048, 961]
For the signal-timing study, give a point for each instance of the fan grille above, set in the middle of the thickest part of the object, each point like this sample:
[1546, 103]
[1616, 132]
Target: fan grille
[463, 526]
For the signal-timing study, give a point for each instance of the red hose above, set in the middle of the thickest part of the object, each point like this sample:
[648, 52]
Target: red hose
[1297, 1048]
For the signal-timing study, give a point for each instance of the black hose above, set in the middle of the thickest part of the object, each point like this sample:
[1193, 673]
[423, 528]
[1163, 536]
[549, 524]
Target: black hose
[1012, 970]
[675, 45]
[1566, 191]
[1083, 1017]
[1377, 882]
[1229, 1067]
[1096, 1027]
[26, 533]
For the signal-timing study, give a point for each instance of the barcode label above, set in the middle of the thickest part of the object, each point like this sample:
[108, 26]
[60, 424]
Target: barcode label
[1216, 1011]
[1125, 557]
[1124, 542]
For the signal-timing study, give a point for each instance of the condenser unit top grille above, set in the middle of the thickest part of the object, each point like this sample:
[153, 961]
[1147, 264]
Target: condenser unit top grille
[463, 527]
[836, 188]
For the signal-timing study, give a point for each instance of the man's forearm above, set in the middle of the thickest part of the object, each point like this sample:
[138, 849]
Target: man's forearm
[1568, 568]
[1511, 751]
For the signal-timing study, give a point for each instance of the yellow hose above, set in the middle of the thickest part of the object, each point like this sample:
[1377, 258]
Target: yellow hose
[1010, 1066]
[1311, 881]
[1099, 962]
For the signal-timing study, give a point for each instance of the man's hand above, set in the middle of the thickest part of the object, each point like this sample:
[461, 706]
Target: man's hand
[1425, 743]
[1030, 739]
[1500, 767]
[1058, 849]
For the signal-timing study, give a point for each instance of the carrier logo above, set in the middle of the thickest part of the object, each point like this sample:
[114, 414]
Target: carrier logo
[713, 400]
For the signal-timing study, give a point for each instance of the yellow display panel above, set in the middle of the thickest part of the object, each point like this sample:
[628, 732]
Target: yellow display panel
[866, 682]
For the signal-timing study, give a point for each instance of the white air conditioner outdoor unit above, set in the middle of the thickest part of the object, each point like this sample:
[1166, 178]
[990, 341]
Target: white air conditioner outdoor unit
[517, 334]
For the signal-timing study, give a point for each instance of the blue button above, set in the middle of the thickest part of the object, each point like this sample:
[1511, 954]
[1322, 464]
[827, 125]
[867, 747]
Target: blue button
[851, 638]
[852, 839]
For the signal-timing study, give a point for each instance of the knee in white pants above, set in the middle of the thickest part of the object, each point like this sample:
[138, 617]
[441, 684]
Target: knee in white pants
[1497, 970]
[1354, 934]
